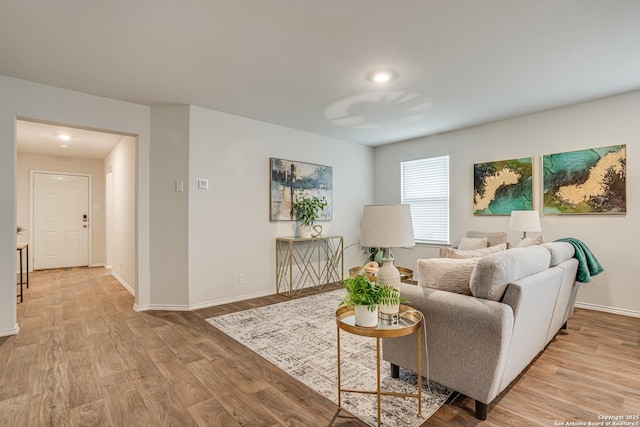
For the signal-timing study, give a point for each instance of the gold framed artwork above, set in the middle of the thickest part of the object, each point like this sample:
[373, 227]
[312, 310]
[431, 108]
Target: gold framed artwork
[502, 186]
[291, 179]
[591, 181]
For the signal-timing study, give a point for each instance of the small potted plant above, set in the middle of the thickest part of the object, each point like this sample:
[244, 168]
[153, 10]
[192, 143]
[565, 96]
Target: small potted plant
[363, 295]
[21, 233]
[389, 299]
[375, 255]
[307, 209]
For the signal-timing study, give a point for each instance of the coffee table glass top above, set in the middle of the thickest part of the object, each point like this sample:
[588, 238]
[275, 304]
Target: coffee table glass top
[409, 320]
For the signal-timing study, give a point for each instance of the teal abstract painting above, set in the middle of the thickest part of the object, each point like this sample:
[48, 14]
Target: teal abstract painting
[589, 181]
[503, 186]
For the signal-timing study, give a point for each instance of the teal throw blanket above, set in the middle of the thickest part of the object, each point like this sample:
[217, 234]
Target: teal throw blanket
[588, 265]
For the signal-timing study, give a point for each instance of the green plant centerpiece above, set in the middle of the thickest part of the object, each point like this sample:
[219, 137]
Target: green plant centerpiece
[389, 299]
[20, 230]
[307, 209]
[360, 291]
[364, 296]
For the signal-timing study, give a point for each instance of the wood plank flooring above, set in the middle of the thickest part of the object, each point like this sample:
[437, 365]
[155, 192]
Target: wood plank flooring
[83, 357]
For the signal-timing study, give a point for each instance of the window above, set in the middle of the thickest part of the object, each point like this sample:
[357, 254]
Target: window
[425, 186]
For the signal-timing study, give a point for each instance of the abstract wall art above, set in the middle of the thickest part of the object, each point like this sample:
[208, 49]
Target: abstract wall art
[589, 181]
[502, 186]
[290, 180]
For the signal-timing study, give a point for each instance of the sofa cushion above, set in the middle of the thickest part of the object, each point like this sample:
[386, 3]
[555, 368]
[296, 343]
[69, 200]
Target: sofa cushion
[446, 274]
[493, 238]
[478, 253]
[560, 252]
[472, 243]
[494, 272]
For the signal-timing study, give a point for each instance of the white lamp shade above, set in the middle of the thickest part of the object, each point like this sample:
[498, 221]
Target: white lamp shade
[525, 221]
[387, 226]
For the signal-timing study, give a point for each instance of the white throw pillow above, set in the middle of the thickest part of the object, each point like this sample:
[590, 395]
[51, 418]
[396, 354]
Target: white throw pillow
[493, 238]
[446, 274]
[528, 241]
[472, 243]
[478, 253]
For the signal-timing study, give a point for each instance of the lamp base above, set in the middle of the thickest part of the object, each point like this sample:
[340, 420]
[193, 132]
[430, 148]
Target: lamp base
[388, 274]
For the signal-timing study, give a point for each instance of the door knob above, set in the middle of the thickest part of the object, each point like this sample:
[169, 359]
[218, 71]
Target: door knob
[84, 226]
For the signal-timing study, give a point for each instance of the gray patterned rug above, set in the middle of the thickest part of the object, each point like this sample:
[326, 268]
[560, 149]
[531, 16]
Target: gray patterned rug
[299, 337]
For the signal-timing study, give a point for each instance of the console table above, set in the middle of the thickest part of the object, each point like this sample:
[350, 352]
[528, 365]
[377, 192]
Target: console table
[302, 261]
[20, 247]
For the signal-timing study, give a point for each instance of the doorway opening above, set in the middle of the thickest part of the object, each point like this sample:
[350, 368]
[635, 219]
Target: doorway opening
[54, 162]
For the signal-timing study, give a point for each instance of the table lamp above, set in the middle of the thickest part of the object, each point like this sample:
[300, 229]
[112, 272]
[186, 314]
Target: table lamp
[524, 221]
[386, 227]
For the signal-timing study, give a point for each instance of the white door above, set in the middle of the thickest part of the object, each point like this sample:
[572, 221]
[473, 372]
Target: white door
[60, 221]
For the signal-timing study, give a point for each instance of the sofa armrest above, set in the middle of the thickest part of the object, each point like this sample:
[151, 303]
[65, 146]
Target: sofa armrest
[467, 341]
[533, 300]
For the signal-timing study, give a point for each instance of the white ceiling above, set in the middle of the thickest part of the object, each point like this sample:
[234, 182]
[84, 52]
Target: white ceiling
[303, 63]
[32, 137]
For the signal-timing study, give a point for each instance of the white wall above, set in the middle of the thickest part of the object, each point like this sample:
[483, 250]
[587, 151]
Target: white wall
[121, 162]
[169, 208]
[227, 149]
[40, 162]
[229, 228]
[613, 238]
[31, 100]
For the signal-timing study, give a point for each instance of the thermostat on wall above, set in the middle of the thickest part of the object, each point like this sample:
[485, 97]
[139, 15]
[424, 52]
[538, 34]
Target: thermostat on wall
[203, 184]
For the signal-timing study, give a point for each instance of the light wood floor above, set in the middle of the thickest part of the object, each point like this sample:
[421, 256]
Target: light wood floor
[84, 357]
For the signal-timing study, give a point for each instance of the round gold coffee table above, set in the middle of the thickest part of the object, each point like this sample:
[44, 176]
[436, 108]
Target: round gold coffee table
[406, 274]
[410, 321]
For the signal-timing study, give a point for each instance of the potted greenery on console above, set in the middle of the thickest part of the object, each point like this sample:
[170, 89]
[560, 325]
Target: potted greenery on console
[363, 295]
[308, 210]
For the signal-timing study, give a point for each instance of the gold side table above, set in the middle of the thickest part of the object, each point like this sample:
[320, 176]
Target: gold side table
[410, 321]
[406, 274]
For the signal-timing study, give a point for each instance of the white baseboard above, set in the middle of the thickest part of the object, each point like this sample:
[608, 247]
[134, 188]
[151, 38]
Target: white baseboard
[604, 308]
[8, 332]
[161, 307]
[230, 300]
[176, 307]
[124, 283]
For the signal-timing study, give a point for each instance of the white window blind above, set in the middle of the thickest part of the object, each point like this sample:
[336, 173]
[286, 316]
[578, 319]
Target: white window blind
[425, 186]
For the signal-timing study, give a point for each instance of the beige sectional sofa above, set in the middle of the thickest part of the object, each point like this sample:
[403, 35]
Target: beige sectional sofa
[478, 344]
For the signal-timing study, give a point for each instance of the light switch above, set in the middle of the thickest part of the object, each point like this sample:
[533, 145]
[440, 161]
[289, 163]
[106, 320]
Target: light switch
[203, 184]
[179, 186]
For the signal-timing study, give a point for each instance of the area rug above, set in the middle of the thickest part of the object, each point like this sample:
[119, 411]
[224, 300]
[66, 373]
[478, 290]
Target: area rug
[299, 337]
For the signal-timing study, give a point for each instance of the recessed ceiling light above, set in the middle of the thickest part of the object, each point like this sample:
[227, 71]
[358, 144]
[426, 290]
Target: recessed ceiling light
[64, 146]
[64, 137]
[382, 76]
